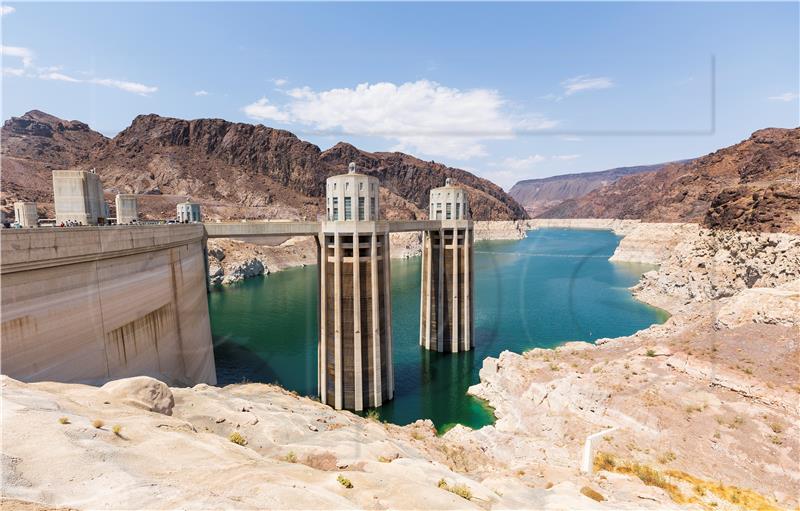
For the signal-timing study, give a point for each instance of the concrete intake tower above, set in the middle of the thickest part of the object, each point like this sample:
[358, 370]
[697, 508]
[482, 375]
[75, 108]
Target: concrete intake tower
[447, 267]
[355, 340]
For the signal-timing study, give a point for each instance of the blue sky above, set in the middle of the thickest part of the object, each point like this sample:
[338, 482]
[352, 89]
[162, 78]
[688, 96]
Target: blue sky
[509, 91]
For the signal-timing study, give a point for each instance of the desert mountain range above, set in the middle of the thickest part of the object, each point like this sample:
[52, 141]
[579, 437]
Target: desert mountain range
[238, 170]
[234, 170]
[539, 195]
[753, 185]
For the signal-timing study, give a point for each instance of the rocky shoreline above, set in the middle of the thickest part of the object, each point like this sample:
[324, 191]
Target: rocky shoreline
[232, 261]
[710, 395]
[704, 408]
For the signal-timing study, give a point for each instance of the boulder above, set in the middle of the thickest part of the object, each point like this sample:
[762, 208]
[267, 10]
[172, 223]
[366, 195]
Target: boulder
[142, 392]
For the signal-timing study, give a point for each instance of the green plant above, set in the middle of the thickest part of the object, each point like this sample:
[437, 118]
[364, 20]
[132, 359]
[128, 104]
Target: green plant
[775, 439]
[237, 438]
[117, 429]
[63, 420]
[776, 427]
[291, 457]
[373, 415]
[554, 367]
[344, 481]
[97, 423]
[650, 353]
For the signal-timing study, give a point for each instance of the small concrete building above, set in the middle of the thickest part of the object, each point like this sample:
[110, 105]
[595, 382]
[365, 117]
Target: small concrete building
[25, 214]
[127, 210]
[78, 196]
[446, 303]
[188, 212]
[355, 341]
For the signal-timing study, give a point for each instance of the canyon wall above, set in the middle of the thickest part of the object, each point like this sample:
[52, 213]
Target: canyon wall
[97, 303]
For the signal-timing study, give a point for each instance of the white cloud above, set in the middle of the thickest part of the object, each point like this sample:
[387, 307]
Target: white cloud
[566, 157]
[786, 96]
[280, 82]
[53, 75]
[201, 93]
[136, 88]
[261, 109]
[17, 51]
[526, 163]
[584, 83]
[6, 9]
[422, 116]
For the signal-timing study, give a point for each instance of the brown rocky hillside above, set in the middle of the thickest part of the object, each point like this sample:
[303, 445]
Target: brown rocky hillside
[753, 185]
[539, 195]
[235, 170]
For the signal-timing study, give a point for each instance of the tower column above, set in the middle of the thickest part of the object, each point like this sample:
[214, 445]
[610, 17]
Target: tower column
[377, 385]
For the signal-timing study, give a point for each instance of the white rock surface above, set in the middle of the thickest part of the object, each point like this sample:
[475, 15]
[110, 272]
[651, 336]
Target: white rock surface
[142, 392]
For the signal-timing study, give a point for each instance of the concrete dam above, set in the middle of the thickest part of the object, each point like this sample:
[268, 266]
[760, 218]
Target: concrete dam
[92, 304]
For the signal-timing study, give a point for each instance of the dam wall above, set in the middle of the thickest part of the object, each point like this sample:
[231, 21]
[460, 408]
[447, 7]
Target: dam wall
[92, 304]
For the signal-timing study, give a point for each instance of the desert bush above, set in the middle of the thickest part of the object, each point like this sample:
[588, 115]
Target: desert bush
[237, 438]
[344, 481]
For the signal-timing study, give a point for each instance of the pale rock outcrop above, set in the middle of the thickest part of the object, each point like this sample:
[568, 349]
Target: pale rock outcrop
[405, 244]
[775, 306]
[709, 265]
[245, 270]
[215, 273]
[142, 392]
[651, 243]
[500, 230]
[294, 451]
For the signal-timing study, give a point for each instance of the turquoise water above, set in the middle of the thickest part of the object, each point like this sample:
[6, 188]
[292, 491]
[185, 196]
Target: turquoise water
[555, 286]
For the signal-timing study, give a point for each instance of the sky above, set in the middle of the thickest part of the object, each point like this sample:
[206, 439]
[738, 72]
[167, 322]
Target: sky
[509, 91]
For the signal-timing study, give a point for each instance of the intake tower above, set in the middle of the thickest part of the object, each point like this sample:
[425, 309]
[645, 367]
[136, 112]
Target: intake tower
[355, 341]
[447, 266]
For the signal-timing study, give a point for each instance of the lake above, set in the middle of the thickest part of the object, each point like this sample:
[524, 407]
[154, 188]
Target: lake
[554, 286]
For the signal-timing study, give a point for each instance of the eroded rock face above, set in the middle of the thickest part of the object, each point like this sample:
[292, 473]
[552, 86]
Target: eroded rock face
[772, 306]
[710, 264]
[249, 268]
[142, 392]
[749, 186]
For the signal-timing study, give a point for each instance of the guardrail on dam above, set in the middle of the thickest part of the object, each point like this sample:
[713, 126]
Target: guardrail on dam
[91, 304]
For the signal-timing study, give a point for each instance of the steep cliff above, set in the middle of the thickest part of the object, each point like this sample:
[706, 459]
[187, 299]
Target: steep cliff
[234, 169]
[752, 185]
[539, 195]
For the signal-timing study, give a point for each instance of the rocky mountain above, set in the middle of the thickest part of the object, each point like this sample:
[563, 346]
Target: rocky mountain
[539, 195]
[753, 185]
[235, 170]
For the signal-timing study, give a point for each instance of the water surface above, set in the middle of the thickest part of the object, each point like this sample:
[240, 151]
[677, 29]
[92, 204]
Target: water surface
[557, 285]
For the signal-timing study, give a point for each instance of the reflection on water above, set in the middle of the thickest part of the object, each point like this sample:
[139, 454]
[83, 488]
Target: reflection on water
[556, 285]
